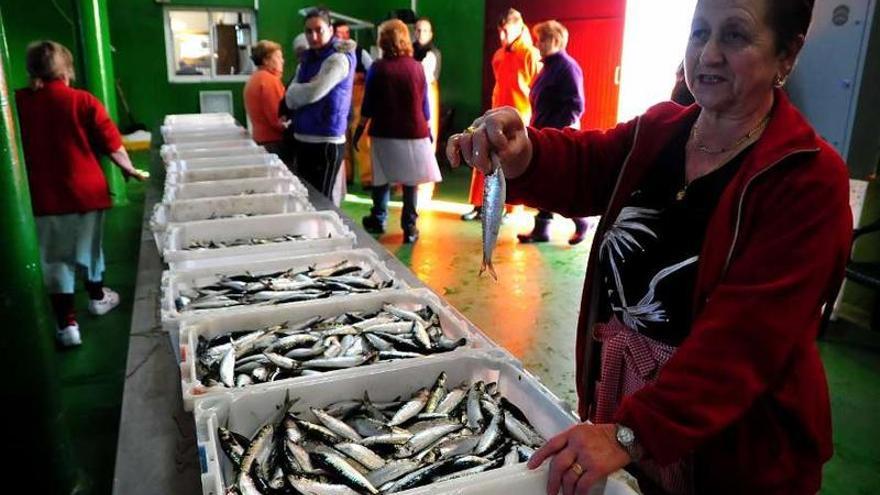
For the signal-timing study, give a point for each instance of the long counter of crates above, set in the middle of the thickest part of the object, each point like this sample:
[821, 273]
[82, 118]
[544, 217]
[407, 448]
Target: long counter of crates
[157, 450]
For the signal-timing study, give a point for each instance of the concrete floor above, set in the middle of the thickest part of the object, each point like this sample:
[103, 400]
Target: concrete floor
[531, 311]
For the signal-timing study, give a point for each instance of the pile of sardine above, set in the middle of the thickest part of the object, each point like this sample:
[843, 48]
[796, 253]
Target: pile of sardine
[281, 287]
[357, 446]
[317, 345]
[251, 241]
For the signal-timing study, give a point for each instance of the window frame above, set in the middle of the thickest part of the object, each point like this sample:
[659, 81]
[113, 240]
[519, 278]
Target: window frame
[213, 77]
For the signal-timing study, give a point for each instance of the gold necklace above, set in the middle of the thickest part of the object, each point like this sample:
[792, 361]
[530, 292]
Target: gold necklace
[682, 193]
[702, 148]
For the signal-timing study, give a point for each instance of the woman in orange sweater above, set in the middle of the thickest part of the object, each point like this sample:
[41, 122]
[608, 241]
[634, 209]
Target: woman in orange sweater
[262, 95]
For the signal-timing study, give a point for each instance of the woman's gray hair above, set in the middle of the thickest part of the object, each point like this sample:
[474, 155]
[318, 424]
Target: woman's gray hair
[48, 61]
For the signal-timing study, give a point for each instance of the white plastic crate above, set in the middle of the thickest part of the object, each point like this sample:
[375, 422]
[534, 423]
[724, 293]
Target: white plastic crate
[203, 134]
[190, 145]
[198, 118]
[168, 151]
[193, 328]
[323, 231]
[221, 150]
[233, 161]
[243, 187]
[264, 170]
[246, 412]
[192, 210]
[184, 278]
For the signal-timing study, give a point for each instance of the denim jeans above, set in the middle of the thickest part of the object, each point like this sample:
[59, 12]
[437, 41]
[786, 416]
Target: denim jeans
[381, 195]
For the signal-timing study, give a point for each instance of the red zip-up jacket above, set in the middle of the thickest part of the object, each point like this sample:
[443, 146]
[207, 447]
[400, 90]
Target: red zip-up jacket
[745, 394]
[63, 130]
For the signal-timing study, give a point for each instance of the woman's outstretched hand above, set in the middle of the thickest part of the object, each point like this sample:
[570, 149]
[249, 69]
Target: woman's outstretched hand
[500, 131]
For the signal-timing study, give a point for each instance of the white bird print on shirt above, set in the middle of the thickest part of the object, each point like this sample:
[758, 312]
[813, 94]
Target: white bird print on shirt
[621, 238]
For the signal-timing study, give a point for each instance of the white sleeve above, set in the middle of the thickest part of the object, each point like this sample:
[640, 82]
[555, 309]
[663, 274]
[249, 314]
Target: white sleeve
[429, 63]
[366, 59]
[333, 71]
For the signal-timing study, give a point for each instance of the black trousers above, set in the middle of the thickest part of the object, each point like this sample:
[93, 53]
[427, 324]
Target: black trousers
[283, 149]
[318, 164]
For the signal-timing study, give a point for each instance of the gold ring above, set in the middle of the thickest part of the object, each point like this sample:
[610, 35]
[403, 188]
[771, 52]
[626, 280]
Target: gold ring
[470, 130]
[577, 469]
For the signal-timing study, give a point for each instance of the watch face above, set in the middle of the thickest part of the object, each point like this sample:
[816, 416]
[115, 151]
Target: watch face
[625, 435]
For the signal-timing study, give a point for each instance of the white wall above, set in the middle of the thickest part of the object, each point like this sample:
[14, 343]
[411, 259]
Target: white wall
[655, 36]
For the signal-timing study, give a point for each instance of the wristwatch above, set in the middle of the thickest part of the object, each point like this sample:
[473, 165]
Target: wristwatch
[627, 439]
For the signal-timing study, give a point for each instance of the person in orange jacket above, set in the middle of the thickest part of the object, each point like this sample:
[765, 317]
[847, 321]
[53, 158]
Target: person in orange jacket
[515, 65]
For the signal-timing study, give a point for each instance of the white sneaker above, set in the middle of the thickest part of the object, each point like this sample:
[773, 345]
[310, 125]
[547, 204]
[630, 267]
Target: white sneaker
[102, 306]
[68, 336]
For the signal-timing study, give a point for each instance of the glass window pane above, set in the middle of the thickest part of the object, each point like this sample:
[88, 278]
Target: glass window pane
[233, 33]
[190, 32]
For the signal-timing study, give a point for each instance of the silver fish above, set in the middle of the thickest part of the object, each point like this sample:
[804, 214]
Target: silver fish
[299, 457]
[262, 440]
[392, 471]
[312, 487]
[452, 399]
[227, 368]
[438, 392]
[396, 328]
[494, 195]
[337, 464]
[387, 439]
[424, 439]
[361, 454]
[230, 445]
[378, 343]
[282, 362]
[284, 344]
[420, 335]
[338, 362]
[411, 408]
[474, 414]
[336, 426]
[490, 436]
[457, 446]
[404, 314]
[521, 431]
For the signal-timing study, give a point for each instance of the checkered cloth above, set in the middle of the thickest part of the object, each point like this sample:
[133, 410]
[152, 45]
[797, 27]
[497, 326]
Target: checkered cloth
[630, 361]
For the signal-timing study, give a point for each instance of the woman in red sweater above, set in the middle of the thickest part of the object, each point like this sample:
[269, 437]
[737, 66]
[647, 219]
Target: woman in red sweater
[396, 106]
[262, 95]
[63, 130]
[725, 229]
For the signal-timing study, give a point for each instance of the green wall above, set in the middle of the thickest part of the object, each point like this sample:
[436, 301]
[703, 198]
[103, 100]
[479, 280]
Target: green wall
[26, 21]
[458, 33]
[138, 38]
[137, 32]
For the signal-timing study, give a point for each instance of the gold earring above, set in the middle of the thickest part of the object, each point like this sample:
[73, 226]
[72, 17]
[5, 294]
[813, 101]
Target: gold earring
[779, 81]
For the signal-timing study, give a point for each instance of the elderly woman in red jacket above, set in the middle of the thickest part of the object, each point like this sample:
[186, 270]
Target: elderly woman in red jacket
[63, 130]
[725, 229]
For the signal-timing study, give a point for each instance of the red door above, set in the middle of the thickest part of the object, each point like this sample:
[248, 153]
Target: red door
[595, 30]
[596, 44]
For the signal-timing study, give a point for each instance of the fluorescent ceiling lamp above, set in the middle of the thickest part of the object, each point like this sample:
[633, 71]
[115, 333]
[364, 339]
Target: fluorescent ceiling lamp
[655, 36]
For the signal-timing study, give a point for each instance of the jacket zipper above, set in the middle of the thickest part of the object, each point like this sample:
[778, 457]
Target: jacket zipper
[623, 169]
[597, 276]
[742, 198]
